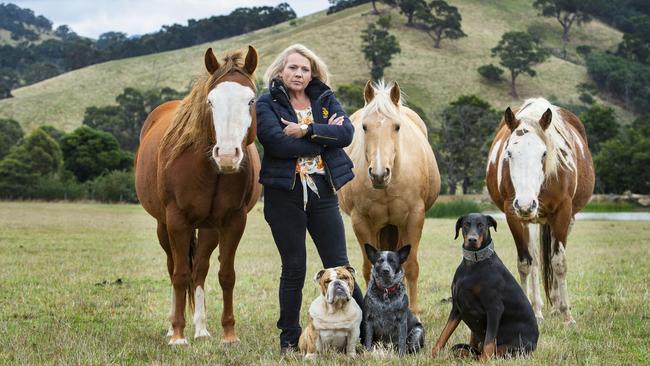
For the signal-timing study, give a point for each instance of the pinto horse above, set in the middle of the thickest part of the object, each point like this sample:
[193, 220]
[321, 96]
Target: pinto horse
[197, 170]
[396, 178]
[540, 171]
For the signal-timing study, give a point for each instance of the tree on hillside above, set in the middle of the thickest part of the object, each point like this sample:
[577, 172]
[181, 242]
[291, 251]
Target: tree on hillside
[636, 44]
[379, 46]
[54, 132]
[519, 52]
[622, 163]
[88, 153]
[567, 13]
[8, 80]
[440, 20]
[464, 136]
[601, 125]
[408, 8]
[10, 133]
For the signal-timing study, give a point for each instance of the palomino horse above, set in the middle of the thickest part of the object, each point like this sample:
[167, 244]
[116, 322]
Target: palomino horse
[396, 178]
[197, 169]
[540, 171]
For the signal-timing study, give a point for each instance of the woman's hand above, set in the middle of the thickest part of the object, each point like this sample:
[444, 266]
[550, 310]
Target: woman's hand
[335, 120]
[293, 129]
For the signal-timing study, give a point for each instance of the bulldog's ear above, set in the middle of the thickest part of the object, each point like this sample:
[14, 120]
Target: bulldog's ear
[491, 222]
[318, 275]
[352, 271]
[459, 223]
[403, 253]
[371, 252]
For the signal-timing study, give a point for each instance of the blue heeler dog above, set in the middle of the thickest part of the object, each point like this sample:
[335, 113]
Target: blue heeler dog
[386, 306]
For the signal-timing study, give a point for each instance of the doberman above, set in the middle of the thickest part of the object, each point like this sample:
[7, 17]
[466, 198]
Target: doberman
[487, 298]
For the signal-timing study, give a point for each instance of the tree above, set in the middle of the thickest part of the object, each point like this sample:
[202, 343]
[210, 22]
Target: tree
[636, 44]
[465, 132]
[440, 20]
[518, 52]
[89, 153]
[601, 125]
[8, 80]
[351, 96]
[54, 132]
[567, 12]
[622, 163]
[10, 133]
[379, 46]
[491, 72]
[408, 8]
[36, 155]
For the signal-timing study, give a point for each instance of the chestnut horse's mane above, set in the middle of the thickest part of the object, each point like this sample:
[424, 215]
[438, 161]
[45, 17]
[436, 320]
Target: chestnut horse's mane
[192, 122]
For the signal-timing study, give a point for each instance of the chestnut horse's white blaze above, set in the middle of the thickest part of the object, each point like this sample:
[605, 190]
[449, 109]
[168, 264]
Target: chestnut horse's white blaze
[230, 103]
[540, 171]
[396, 178]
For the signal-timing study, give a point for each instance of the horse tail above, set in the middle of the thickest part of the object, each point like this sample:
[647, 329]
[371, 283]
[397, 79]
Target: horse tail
[388, 238]
[190, 289]
[546, 251]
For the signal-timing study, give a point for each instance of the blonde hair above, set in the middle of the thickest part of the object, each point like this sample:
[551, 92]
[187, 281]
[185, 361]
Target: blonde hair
[318, 67]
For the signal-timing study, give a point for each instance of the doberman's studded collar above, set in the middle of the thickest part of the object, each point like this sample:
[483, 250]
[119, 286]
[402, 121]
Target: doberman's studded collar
[479, 255]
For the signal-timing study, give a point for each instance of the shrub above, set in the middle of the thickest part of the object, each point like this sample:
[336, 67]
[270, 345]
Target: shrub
[116, 186]
[453, 209]
[491, 72]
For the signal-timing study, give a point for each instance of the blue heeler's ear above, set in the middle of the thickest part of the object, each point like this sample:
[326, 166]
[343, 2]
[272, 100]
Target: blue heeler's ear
[403, 253]
[371, 252]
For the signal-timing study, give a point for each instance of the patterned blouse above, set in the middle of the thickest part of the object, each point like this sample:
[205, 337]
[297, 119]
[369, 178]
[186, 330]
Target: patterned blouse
[306, 165]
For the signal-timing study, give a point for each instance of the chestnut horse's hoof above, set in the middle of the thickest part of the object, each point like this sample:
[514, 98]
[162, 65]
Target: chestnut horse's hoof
[178, 342]
[230, 341]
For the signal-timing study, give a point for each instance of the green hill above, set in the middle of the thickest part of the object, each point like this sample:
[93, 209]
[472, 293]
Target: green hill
[430, 77]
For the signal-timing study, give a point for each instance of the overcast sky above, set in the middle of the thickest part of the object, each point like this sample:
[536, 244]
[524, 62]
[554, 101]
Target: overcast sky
[90, 18]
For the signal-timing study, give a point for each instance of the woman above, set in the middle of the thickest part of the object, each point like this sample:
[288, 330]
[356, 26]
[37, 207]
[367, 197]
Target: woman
[303, 129]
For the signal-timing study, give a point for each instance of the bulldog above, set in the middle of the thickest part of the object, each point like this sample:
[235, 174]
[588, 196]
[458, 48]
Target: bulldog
[334, 317]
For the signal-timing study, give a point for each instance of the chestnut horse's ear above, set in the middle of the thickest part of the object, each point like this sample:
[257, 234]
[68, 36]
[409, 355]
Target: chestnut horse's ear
[459, 223]
[211, 62]
[545, 121]
[510, 119]
[368, 92]
[395, 94]
[251, 60]
[491, 222]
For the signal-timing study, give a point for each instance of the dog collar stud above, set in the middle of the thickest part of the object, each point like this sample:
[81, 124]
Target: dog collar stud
[479, 255]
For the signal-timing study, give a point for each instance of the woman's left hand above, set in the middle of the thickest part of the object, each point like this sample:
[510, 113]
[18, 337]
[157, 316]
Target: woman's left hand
[335, 120]
[293, 129]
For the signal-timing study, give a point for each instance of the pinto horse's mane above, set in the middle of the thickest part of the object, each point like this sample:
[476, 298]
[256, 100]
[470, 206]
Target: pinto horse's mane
[192, 122]
[557, 137]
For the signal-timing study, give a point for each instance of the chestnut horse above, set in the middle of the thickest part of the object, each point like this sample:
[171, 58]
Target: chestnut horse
[540, 171]
[197, 169]
[396, 178]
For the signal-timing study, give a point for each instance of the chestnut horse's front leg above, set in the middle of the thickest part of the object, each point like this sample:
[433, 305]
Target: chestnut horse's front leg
[180, 236]
[208, 240]
[230, 234]
[560, 223]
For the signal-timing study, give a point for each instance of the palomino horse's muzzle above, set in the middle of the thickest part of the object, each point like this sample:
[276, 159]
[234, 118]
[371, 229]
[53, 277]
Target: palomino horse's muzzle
[228, 159]
[379, 179]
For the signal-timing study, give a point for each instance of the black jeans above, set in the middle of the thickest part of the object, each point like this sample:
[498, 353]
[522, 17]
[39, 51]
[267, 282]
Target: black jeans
[284, 211]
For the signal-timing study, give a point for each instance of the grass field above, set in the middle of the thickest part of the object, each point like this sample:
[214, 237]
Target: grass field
[431, 78]
[86, 284]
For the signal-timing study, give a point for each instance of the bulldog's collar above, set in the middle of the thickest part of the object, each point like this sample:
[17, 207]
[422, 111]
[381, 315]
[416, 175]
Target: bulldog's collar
[387, 290]
[479, 255]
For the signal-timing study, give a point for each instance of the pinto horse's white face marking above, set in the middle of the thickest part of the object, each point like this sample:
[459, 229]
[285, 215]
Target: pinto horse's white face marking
[230, 103]
[526, 153]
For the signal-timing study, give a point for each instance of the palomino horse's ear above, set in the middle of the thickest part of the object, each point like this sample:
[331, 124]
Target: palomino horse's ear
[510, 119]
[459, 222]
[211, 62]
[395, 94]
[251, 60]
[545, 121]
[491, 222]
[318, 275]
[371, 252]
[403, 253]
[368, 92]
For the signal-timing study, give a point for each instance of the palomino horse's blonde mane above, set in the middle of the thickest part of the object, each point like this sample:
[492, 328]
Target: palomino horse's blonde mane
[192, 122]
[557, 137]
[382, 102]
